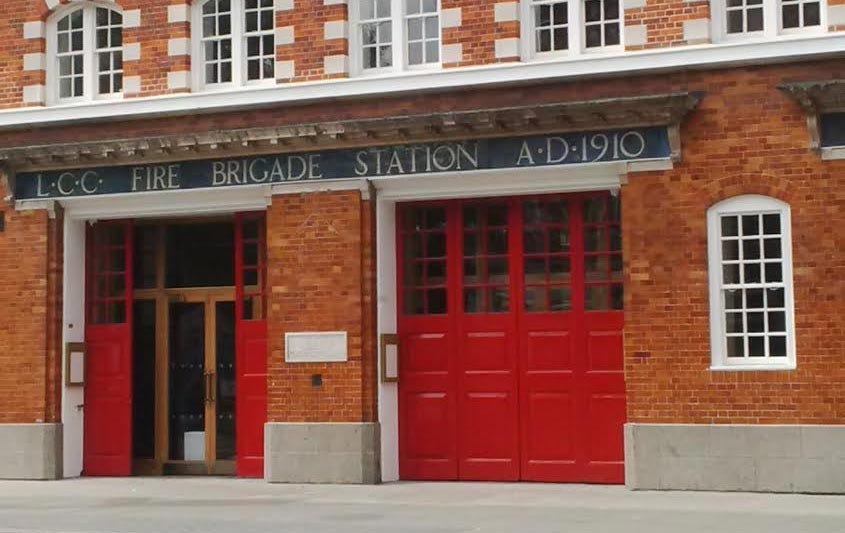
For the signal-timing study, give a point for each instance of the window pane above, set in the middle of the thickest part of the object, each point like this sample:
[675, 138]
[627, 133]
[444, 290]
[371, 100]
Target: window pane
[755, 20]
[736, 347]
[730, 226]
[790, 16]
[812, 14]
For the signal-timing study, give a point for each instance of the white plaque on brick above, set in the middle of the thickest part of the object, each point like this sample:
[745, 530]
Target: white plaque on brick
[315, 347]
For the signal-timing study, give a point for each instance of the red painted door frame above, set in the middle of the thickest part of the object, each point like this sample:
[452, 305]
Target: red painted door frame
[251, 342]
[107, 426]
[566, 379]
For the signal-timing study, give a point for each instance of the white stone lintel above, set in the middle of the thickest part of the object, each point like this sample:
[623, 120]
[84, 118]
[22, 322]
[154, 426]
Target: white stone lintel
[633, 4]
[636, 35]
[131, 85]
[35, 61]
[178, 13]
[335, 29]
[178, 80]
[697, 31]
[338, 64]
[836, 15]
[285, 70]
[132, 51]
[34, 94]
[34, 30]
[507, 48]
[450, 17]
[453, 53]
[506, 11]
[283, 5]
[179, 46]
[285, 35]
[132, 18]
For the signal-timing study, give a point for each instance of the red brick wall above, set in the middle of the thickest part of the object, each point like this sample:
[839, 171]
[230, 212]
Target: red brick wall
[317, 282]
[665, 20]
[28, 391]
[745, 138]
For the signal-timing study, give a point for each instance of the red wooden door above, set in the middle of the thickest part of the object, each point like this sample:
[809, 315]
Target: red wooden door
[486, 352]
[511, 339]
[107, 426]
[427, 395]
[251, 343]
[572, 390]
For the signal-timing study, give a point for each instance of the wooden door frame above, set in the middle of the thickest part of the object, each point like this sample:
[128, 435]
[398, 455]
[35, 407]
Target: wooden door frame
[163, 297]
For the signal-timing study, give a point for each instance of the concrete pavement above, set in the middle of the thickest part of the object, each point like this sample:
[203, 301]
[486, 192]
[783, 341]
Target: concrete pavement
[212, 505]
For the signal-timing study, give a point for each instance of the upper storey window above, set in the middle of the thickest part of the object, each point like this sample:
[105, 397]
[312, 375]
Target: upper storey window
[234, 42]
[85, 46]
[572, 26]
[396, 34]
[739, 19]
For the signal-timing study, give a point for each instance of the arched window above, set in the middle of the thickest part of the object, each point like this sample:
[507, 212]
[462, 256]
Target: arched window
[752, 324]
[234, 42]
[85, 47]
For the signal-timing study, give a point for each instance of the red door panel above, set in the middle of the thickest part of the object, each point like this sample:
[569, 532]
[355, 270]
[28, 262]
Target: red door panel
[107, 426]
[251, 344]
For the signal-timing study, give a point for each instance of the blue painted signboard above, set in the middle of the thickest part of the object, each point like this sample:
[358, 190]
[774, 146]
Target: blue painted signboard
[412, 159]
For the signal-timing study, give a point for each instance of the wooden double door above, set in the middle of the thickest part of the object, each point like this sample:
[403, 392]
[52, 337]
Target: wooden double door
[176, 347]
[510, 333]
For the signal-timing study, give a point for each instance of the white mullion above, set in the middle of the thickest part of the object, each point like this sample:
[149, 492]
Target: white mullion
[400, 44]
[577, 35]
[771, 19]
[89, 47]
[236, 34]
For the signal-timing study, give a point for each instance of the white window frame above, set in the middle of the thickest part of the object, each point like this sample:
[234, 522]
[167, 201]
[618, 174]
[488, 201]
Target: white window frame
[239, 50]
[399, 43]
[740, 205]
[772, 23]
[90, 70]
[577, 33]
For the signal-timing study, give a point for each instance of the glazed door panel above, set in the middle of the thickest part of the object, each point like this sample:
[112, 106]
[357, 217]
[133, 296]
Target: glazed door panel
[107, 427]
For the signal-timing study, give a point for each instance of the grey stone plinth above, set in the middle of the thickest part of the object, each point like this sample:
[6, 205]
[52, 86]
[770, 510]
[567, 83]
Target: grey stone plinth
[322, 453]
[764, 458]
[30, 451]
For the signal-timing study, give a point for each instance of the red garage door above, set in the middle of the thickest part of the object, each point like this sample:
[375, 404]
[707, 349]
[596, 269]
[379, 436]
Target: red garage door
[511, 339]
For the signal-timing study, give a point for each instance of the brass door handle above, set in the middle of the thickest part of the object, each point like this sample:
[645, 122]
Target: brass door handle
[210, 383]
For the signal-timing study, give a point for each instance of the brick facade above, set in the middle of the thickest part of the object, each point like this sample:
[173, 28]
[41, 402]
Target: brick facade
[746, 137]
[662, 21]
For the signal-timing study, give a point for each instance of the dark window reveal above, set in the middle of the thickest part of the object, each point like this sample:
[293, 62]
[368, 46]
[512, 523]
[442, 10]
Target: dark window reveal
[200, 255]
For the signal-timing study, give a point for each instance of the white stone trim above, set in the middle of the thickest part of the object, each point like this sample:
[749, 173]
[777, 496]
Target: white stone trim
[636, 35]
[452, 53]
[132, 52]
[285, 35]
[507, 48]
[285, 70]
[179, 46]
[786, 49]
[178, 13]
[633, 4]
[34, 94]
[697, 31]
[831, 153]
[131, 84]
[505, 12]
[450, 17]
[34, 30]
[180, 79]
[338, 64]
[132, 18]
[334, 2]
[52, 4]
[284, 5]
[836, 15]
[335, 29]
[35, 61]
